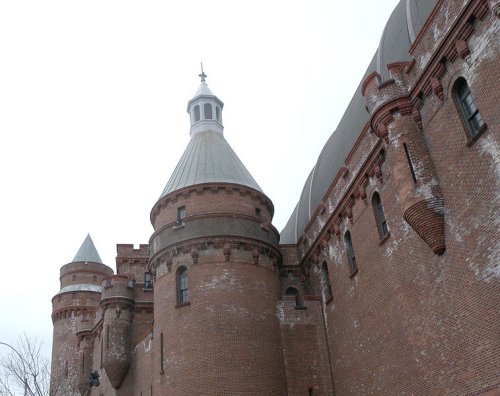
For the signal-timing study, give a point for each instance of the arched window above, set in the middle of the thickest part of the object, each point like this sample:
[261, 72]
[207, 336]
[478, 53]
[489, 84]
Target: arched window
[207, 111]
[326, 280]
[217, 113]
[468, 108]
[196, 113]
[351, 258]
[378, 210]
[292, 291]
[182, 286]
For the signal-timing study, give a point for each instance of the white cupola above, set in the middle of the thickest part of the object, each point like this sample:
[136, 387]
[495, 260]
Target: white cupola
[205, 109]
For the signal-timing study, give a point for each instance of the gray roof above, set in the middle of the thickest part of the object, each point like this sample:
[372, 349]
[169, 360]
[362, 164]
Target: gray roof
[400, 31]
[80, 287]
[87, 252]
[208, 158]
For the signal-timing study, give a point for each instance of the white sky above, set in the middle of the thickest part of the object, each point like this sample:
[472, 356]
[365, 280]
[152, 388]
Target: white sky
[93, 120]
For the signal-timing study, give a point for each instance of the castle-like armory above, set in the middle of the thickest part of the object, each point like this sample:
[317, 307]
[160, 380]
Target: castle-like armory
[385, 280]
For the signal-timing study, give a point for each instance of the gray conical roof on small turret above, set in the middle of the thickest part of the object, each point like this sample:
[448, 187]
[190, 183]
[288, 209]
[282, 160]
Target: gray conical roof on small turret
[87, 252]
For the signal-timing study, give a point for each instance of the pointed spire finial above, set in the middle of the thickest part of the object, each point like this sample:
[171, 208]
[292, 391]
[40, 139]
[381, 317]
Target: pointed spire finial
[203, 76]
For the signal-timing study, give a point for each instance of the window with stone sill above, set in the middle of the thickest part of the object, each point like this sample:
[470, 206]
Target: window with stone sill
[181, 214]
[469, 112]
[182, 286]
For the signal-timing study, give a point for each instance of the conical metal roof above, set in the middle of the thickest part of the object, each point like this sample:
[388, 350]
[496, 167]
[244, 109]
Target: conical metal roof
[87, 252]
[208, 158]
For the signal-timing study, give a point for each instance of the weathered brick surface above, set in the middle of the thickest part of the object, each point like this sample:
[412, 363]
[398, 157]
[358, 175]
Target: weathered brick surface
[408, 322]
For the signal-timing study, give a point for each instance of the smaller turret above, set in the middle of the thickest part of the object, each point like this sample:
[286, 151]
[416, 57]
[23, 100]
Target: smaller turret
[117, 306]
[75, 303]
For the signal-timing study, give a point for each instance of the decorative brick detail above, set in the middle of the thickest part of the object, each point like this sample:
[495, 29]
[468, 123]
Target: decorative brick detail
[495, 7]
[437, 88]
[427, 219]
[462, 48]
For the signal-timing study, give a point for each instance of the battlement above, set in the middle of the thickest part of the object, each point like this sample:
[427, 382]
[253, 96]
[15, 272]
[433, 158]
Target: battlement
[128, 250]
[117, 286]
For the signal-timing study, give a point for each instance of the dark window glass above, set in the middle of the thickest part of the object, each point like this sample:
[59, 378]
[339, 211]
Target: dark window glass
[378, 209]
[148, 280]
[207, 110]
[292, 291]
[469, 108]
[161, 353]
[351, 258]
[182, 286]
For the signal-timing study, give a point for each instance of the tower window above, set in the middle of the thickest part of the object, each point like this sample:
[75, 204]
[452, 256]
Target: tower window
[217, 113]
[196, 113]
[378, 210]
[258, 212]
[326, 280]
[181, 214]
[469, 110]
[292, 291]
[182, 286]
[148, 280]
[351, 258]
[207, 111]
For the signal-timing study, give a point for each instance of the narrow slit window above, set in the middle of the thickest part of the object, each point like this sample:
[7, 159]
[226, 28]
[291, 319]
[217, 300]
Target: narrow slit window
[410, 163]
[326, 280]
[351, 257]
[217, 113]
[161, 353]
[148, 280]
[378, 210]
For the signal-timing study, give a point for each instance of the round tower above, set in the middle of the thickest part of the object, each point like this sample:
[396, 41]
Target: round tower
[214, 255]
[76, 301]
[117, 307]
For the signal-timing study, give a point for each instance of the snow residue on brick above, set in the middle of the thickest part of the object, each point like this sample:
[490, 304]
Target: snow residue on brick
[425, 190]
[223, 280]
[335, 252]
[399, 233]
[457, 231]
[424, 59]
[483, 47]
[490, 147]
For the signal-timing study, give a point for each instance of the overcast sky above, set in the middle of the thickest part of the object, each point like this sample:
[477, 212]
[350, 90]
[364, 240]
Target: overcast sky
[93, 98]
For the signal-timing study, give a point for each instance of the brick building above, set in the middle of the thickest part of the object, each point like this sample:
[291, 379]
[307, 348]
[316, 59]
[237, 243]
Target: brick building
[385, 280]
